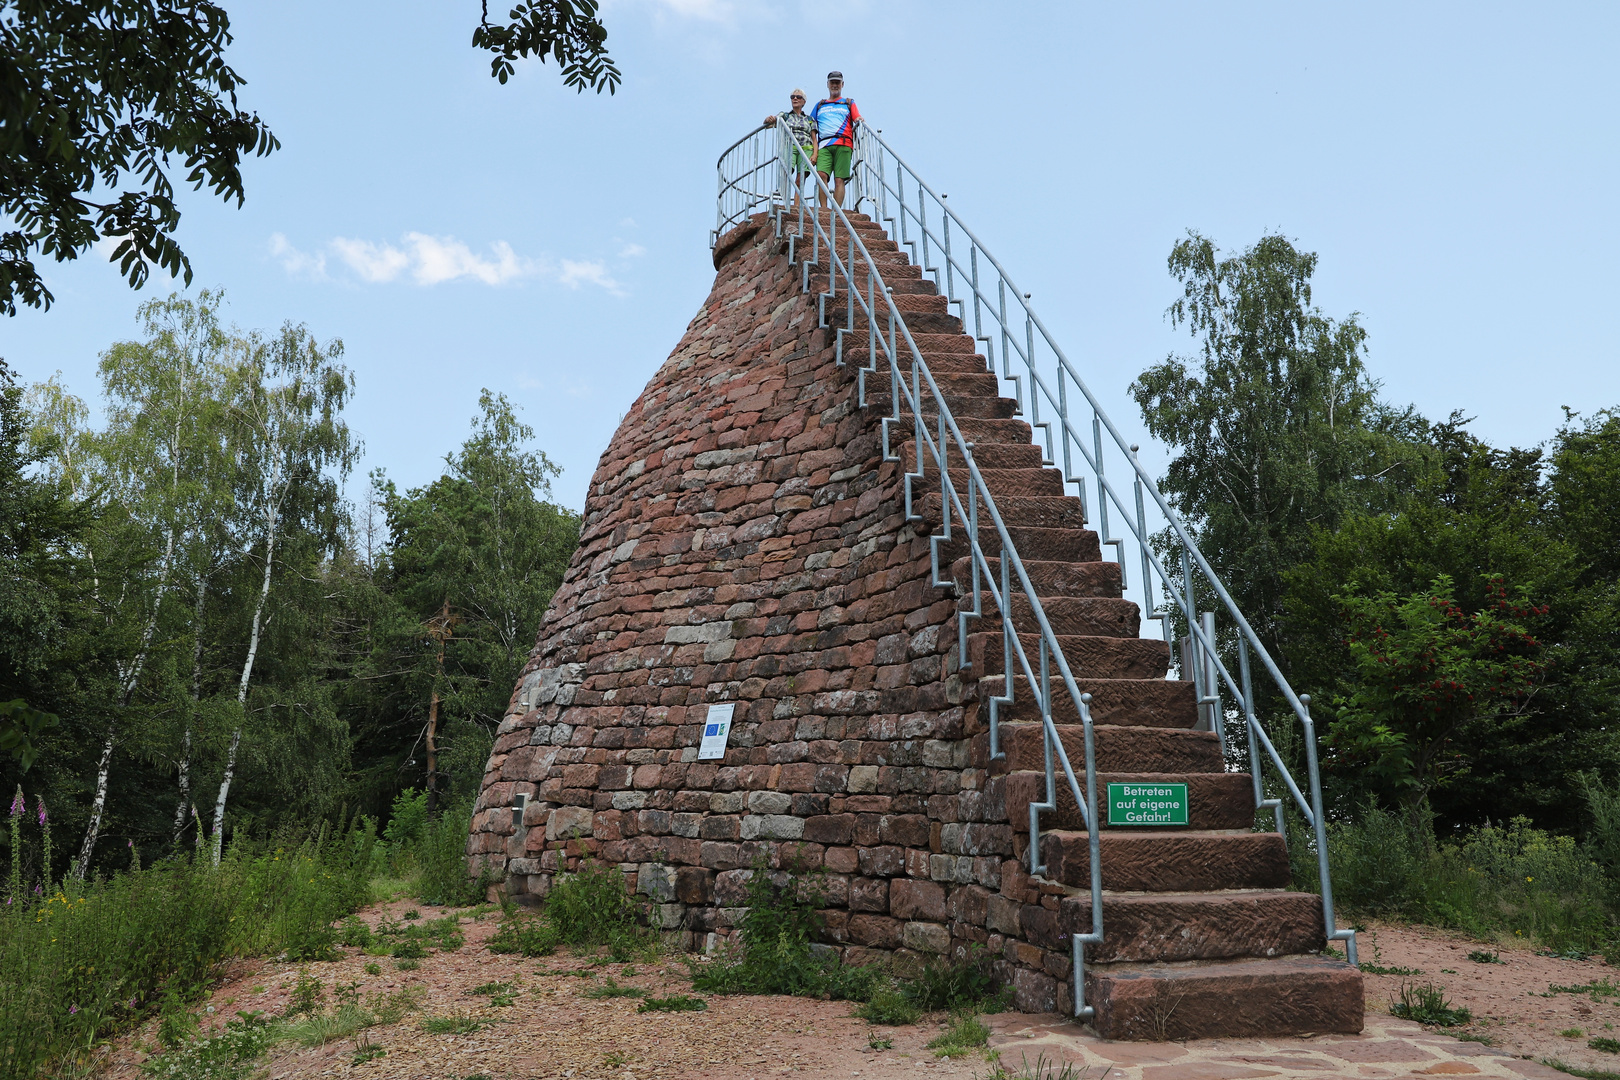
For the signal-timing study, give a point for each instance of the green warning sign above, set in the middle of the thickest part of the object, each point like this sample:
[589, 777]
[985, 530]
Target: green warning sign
[1147, 804]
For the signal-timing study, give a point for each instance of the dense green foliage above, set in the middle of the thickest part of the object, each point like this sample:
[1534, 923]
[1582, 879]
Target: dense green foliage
[227, 643]
[83, 959]
[96, 97]
[1452, 607]
[100, 98]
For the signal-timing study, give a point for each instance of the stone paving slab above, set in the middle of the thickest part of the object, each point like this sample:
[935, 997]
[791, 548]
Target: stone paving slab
[1386, 1048]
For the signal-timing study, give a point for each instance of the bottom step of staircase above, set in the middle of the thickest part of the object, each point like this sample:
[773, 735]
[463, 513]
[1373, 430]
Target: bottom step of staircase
[1290, 995]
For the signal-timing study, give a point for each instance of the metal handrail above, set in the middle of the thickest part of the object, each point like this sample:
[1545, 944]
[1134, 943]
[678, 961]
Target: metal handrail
[1209, 671]
[742, 173]
[904, 393]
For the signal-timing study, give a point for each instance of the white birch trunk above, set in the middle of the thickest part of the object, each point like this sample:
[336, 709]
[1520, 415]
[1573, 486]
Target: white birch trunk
[132, 679]
[271, 523]
[196, 698]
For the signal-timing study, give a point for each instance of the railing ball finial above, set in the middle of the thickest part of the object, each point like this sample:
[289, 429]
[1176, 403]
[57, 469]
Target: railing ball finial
[1135, 448]
[1026, 296]
[1305, 700]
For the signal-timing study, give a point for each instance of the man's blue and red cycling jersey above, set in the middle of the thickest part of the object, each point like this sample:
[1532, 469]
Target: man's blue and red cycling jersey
[835, 120]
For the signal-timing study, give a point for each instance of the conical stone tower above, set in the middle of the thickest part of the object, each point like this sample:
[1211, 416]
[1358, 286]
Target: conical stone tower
[745, 544]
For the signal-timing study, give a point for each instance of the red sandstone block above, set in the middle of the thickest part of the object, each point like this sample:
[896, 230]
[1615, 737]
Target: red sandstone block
[911, 898]
[841, 860]
[907, 830]
[829, 828]
[874, 931]
[868, 894]
[580, 776]
[883, 861]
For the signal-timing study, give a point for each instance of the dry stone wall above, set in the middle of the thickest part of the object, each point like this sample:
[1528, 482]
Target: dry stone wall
[743, 541]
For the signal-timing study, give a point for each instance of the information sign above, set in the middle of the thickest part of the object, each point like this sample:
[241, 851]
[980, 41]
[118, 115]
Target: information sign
[716, 730]
[1147, 804]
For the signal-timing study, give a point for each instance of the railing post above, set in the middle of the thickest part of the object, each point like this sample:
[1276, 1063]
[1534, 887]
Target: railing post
[1334, 934]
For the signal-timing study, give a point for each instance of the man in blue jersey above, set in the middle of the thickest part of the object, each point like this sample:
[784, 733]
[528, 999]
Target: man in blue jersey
[835, 117]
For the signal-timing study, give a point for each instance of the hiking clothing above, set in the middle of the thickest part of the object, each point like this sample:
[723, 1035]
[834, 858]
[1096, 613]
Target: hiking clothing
[835, 120]
[835, 160]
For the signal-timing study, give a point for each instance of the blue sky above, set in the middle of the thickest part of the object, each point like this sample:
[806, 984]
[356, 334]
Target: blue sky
[1454, 166]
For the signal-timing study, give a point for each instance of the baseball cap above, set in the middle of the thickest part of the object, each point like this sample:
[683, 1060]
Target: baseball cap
[835, 76]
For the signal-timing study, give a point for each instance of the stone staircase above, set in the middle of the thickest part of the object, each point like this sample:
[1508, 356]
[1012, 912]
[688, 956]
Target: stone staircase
[1200, 937]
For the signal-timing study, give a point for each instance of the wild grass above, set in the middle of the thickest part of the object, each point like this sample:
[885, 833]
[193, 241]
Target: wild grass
[587, 910]
[90, 958]
[1512, 882]
[1427, 1004]
[965, 1034]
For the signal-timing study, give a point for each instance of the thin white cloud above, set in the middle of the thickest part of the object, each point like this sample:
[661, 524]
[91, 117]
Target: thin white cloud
[592, 273]
[432, 260]
[297, 263]
[373, 262]
[632, 251]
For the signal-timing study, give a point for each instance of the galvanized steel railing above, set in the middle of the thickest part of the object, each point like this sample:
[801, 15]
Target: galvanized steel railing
[1042, 377]
[753, 175]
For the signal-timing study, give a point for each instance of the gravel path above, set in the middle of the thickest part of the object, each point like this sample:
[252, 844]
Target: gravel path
[553, 1030]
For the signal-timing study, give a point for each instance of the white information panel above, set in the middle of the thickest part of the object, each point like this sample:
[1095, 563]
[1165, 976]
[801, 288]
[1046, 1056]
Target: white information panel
[716, 730]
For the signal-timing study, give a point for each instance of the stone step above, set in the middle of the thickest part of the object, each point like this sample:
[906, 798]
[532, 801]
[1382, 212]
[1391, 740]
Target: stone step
[1030, 511]
[856, 355]
[1032, 542]
[1165, 861]
[1229, 999]
[1094, 657]
[918, 322]
[1095, 578]
[902, 279]
[952, 383]
[983, 406]
[1184, 926]
[1166, 703]
[1119, 750]
[1215, 800]
[980, 430]
[1107, 616]
[989, 455]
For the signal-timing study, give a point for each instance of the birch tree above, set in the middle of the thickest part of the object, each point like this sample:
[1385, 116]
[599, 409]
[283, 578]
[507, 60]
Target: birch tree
[291, 449]
[155, 464]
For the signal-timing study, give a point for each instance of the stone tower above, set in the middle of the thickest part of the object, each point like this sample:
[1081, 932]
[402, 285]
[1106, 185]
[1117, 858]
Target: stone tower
[744, 543]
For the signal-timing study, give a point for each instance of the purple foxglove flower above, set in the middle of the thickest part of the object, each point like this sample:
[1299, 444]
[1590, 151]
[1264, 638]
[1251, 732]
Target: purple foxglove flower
[17, 806]
[41, 809]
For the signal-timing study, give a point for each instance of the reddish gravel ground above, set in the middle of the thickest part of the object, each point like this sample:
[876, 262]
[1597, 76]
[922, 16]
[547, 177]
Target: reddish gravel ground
[553, 1031]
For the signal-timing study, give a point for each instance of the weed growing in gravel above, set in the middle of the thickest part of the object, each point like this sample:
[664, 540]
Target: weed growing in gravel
[365, 1050]
[229, 1055]
[1484, 956]
[1605, 1044]
[1598, 989]
[461, 1023]
[407, 964]
[1040, 1069]
[1375, 969]
[877, 1042]
[889, 1005]
[308, 996]
[525, 937]
[1572, 1033]
[500, 994]
[674, 1003]
[957, 985]
[373, 969]
[586, 910]
[963, 1035]
[1576, 1070]
[610, 989]
[1427, 1004]
[614, 1058]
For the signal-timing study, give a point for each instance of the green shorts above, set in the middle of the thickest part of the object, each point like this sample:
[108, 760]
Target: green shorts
[834, 160]
[797, 161]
